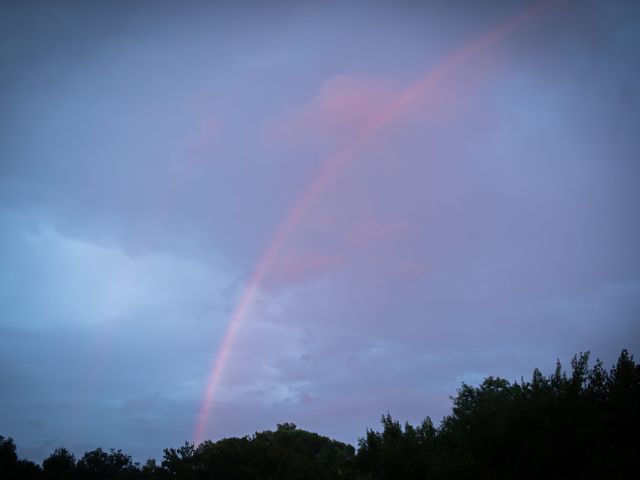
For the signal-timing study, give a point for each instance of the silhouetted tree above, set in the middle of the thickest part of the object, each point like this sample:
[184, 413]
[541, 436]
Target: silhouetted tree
[581, 425]
[13, 469]
[100, 465]
[8, 456]
[181, 463]
[60, 465]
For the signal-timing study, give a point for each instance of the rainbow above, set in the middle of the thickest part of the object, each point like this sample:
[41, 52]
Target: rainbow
[328, 170]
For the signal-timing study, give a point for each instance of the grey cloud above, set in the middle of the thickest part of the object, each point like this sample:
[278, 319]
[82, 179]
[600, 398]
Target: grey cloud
[487, 229]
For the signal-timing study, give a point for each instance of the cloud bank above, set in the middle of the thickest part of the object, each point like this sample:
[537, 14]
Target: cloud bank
[148, 159]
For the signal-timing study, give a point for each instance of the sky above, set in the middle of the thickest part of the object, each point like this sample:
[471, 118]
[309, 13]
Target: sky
[220, 216]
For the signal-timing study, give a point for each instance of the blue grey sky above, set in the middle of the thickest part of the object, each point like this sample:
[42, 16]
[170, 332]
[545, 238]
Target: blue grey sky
[151, 152]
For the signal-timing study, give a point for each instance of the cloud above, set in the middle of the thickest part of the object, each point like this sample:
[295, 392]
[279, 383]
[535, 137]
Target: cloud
[332, 118]
[486, 228]
[504, 218]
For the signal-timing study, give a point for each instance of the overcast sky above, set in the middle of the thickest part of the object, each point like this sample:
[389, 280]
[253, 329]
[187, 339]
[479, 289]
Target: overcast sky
[430, 192]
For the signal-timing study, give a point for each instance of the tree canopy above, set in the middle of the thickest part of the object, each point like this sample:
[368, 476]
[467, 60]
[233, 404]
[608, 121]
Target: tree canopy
[580, 425]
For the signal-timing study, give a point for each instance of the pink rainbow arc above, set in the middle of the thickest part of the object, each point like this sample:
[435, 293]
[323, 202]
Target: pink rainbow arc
[328, 170]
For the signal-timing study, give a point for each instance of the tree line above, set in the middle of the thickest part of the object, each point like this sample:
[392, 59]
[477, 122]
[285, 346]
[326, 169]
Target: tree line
[584, 424]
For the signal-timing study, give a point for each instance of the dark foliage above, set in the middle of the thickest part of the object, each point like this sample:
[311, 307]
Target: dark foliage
[13, 469]
[60, 465]
[584, 425]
